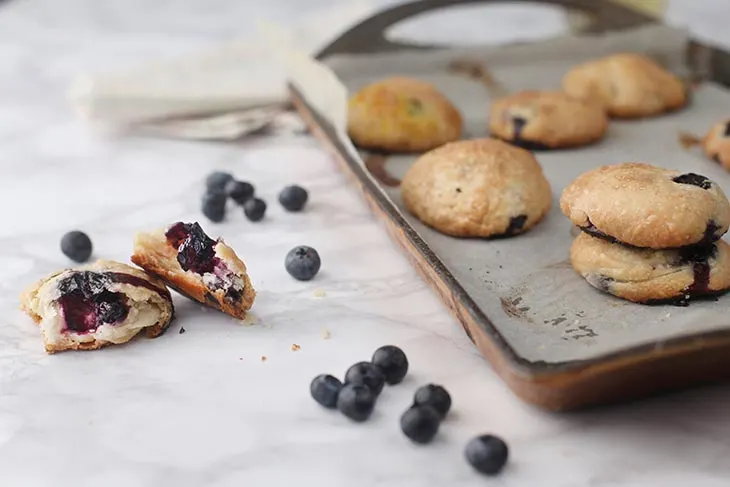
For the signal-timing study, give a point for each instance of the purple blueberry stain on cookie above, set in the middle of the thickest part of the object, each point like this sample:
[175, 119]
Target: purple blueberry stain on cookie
[698, 256]
[591, 229]
[693, 180]
[86, 303]
[726, 132]
[518, 125]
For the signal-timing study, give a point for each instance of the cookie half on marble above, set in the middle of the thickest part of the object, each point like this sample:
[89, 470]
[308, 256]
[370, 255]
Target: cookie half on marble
[642, 205]
[195, 265]
[477, 188]
[539, 120]
[102, 304]
[402, 114]
[628, 85]
[716, 144]
[648, 276]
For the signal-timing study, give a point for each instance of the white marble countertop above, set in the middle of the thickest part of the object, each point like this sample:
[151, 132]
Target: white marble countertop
[202, 408]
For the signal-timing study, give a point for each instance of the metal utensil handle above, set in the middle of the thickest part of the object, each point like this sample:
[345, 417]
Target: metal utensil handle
[369, 35]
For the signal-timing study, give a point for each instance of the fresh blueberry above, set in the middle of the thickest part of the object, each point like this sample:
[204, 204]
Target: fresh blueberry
[293, 198]
[420, 423]
[392, 362]
[368, 374]
[214, 206]
[216, 181]
[434, 396]
[76, 246]
[325, 389]
[302, 263]
[356, 401]
[239, 191]
[487, 454]
[254, 209]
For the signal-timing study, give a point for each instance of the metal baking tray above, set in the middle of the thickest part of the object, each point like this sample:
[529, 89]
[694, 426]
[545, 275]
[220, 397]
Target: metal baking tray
[556, 342]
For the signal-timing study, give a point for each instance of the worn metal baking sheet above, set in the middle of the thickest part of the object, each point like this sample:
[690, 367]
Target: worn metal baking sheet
[525, 284]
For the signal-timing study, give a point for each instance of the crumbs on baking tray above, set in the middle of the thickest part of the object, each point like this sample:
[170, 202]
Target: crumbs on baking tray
[263, 358]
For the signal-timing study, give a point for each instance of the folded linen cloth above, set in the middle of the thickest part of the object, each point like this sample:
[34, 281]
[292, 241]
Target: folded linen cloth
[224, 93]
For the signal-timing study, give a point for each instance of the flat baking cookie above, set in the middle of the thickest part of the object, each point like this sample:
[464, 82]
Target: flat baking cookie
[192, 263]
[647, 206]
[547, 120]
[646, 275]
[716, 144]
[402, 115]
[102, 304]
[628, 85]
[477, 188]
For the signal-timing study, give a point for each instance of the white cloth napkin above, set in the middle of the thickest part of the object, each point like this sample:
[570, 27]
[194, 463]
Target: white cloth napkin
[224, 93]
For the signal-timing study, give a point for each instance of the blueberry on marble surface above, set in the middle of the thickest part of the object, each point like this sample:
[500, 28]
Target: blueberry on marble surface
[420, 424]
[216, 181]
[435, 396]
[302, 263]
[214, 206]
[293, 198]
[487, 454]
[239, 191]
[325, 389]
[76, 245]
[356, 401]
[254, 209]
[368, 374]
[392, 362]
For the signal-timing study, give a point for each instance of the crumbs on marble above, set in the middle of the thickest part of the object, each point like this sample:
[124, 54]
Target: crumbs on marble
[326, 334]
[263, 358]
[319, 293]
[182, 330]
[669, 314]
[249, 320]
[295, 347]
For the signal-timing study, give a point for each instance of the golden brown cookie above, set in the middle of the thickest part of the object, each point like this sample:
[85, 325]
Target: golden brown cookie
[94, 306]
[646, 275]
[192, 263]
[647, 206]
[628, 85]
[547, 120]
[402, 115]
[477, 188]
[716, 143]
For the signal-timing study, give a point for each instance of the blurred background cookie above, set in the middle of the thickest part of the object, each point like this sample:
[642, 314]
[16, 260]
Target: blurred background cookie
[477, 188]
[646, 275]
[547, 120]
[716, 143]
[647, 206]
[402, 115]
[628, 85]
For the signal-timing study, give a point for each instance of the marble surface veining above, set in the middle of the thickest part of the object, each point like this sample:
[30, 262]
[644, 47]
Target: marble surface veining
[202, 408]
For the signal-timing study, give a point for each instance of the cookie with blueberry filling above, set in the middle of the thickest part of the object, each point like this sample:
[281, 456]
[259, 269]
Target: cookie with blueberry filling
[477, 188]
[402, 115]
[101, 304]
[646, 275]
[628, 85]
[716, 143]
[547, 120]
[647, 206]
[196, 266]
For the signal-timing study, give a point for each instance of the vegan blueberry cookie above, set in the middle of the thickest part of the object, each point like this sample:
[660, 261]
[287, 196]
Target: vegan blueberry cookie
[647, 206]
[547, 120]
[628, 85]
[402, 115]
[101, 304]
[477, 188]
[716, 143]
[192, 263]
[646, 275]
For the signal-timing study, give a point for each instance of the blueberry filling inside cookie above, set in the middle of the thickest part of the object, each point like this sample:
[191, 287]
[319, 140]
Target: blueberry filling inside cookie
[694, 180]
[196, 253]
[515, 224]
[726, 133]
[86, 303]
[591, 229]
[518, 125]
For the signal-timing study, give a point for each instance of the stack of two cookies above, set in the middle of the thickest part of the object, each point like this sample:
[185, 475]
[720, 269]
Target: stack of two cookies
[649, 234]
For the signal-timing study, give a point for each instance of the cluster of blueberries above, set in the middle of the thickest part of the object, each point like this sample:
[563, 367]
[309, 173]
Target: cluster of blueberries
[364, 381]
[219, 186]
